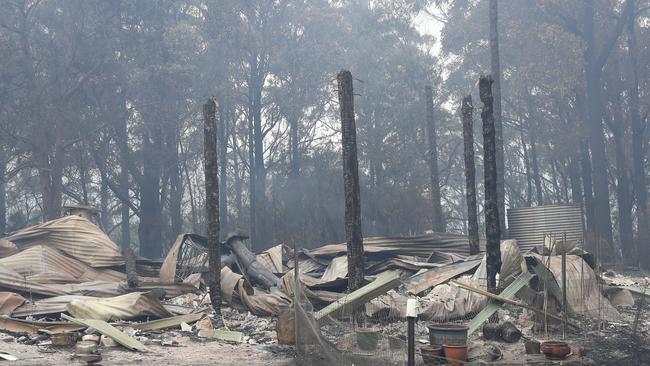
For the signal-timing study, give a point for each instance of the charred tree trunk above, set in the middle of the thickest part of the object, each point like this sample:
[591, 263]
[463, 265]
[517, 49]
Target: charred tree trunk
[492, 227]
[467, 109]
[585, 170]
[594, 63]
[574, 179]
[237, 177]
[121, 133]
[252, 190]
[495, 63]
[638, 148]
[224, 115]
[353, 234]
[211, 170]
[264, 235]
[623, 194]
[438, 218]
[3, 192]
[175, 185]
[150, 229]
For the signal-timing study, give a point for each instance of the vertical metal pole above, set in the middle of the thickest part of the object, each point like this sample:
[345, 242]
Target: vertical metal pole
[411, 342]
[564, 304]
[411, 315]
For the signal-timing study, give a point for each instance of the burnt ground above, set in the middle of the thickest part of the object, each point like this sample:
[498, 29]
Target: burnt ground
[189, 352]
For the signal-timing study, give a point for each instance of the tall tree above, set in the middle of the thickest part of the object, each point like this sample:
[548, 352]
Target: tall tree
[353, 235]
[211, 171]
[495, 66]
[595, 60]
[492, 227]
[432, 157]
[467, 110]
[638, 148]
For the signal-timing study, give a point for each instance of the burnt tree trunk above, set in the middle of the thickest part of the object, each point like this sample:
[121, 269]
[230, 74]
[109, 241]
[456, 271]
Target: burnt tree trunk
[224, 115]
[432, 157]
[353, 236]
[211, 170]
[3, 192]
[623, 194]
[638, 148]
[492, 227]
[121, 133]
[574, 179]
[594, 63]
[175, 184]
[495, 66]
[467, 109]
[151, 228]
[585, 170]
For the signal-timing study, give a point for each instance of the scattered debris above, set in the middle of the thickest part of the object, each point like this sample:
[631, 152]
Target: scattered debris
[223, 335]
[347, 303]
[110, 331]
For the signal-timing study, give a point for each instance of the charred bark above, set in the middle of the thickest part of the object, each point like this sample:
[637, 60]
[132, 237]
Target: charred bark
[623, 181]
[175, 185]
[151, 226]
[353, 236]
[492, 227]
[495, 64]
[467, 109]
[211, 170]
[432, 157]
[224, 115]
[3, 192]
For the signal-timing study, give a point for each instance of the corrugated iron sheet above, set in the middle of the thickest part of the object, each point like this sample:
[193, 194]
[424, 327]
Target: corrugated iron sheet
[421, 246]
[74, 236]
[529, 224]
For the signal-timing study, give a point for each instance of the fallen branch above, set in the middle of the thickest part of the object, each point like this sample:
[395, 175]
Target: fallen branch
[509, 301]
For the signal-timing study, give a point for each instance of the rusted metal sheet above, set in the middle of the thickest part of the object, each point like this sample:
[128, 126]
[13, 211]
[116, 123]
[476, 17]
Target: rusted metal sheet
[74, 236]
[9, 301]
[47, 261]
[435, 276]
[421, 246]
[187, 255]
[125, 307]
[7, 248]
[529, 225]
[27, 326]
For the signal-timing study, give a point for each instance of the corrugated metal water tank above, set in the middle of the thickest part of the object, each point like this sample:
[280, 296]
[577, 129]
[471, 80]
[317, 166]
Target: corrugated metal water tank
[529, 224]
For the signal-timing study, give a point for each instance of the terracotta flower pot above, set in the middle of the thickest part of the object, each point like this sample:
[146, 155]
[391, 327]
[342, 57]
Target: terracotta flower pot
[456, 355]
[555, 350]
[431, 355]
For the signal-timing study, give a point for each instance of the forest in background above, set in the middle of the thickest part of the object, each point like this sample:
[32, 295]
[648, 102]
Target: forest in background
[100, 104]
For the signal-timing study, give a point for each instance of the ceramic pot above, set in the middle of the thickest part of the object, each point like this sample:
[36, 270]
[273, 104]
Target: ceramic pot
[555, 350]
[449, 333]
[431, 355]
[456, 355]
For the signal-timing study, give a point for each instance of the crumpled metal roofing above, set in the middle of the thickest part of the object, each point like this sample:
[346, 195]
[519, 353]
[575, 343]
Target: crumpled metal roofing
[125, 307]
[44, 264]
[74, 236]
[421, 246]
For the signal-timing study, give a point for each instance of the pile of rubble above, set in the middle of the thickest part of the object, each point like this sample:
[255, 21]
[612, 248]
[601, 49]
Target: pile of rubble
[65, 283]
